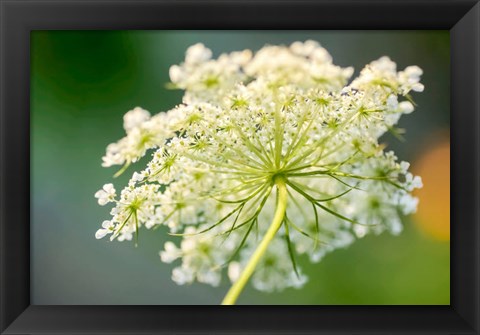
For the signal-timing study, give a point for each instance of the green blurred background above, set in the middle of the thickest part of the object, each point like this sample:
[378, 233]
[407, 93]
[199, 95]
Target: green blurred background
[83, 82]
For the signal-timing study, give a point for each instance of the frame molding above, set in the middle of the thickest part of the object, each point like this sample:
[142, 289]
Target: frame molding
[19, 17]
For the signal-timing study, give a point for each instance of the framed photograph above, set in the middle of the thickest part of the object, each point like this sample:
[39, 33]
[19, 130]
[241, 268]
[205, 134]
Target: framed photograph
[314, 164]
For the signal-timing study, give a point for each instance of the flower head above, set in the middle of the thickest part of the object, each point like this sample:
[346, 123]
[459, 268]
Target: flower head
[247, 124]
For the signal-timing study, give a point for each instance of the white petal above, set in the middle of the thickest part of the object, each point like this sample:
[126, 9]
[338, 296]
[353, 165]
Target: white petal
[137, 176]
[197, 53]
[101, 233]
[418, 87]
[176, 74]
[182, 276]
[103, 201]
[107, 224]
[406, 107]
[170, 253]
[100, 194]
[109, 188]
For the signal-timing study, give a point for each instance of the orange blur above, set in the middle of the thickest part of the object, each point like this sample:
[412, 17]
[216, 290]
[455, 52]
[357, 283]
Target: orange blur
[433, 214]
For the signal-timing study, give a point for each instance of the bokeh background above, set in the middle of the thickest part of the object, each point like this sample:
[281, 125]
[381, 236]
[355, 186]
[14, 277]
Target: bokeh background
[83, 82]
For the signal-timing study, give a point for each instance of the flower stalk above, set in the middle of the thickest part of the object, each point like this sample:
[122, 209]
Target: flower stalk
[237, 288]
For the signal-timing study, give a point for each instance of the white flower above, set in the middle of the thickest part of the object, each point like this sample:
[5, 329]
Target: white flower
[197, 54]
[176, 74]
[170, 253]
[107, 228]
[248, 121]
[411, 75]
[182, 276]
[137, 177]
[306, 48]
[135, 118]
[106, 194]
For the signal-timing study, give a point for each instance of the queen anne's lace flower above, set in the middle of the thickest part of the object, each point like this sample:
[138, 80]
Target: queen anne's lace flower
[249, 124]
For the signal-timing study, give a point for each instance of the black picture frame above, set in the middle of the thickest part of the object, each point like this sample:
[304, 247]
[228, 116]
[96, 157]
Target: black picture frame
[19, 17]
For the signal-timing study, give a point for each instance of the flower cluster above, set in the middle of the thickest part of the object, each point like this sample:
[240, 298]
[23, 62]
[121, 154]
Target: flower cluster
[246, 121]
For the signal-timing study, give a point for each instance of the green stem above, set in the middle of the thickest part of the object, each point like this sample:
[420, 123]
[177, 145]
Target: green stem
[278, 218]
